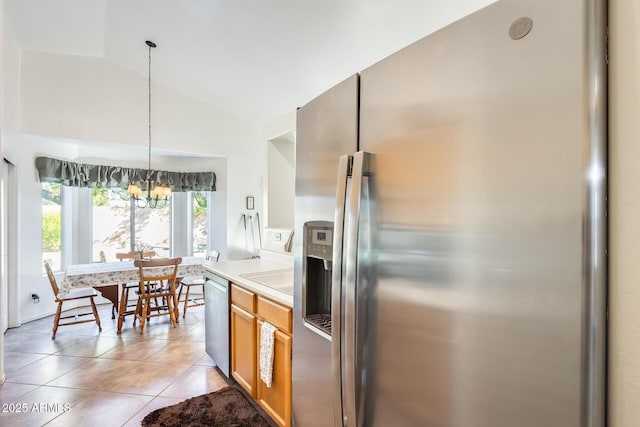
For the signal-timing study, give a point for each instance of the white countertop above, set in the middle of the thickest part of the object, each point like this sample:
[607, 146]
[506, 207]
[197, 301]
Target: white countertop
[233, 271]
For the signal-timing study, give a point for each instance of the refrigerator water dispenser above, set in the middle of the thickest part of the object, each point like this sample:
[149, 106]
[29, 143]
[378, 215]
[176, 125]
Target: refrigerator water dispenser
[316, 285]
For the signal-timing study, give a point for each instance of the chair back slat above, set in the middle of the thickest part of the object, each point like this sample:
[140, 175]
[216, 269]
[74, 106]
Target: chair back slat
[52, 279]
[159, 271]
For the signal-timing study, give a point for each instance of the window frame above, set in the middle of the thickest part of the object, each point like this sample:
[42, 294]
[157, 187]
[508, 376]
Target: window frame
[191, 222]
[64, 229]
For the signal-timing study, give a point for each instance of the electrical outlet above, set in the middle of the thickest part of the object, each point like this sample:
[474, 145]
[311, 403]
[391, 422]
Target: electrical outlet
[33, 295]
[277, 237]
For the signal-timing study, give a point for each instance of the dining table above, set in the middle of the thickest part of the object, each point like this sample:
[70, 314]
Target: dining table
[108, 277]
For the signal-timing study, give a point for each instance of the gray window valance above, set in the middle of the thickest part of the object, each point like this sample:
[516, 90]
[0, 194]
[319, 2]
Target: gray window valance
[86, 175]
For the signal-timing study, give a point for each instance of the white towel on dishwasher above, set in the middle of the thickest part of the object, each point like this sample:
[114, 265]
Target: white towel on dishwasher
[267, 332]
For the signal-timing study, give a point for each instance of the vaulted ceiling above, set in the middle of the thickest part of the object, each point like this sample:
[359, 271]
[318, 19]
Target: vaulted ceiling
[259, 59]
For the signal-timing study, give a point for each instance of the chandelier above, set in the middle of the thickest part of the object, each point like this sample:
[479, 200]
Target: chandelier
[157, 194]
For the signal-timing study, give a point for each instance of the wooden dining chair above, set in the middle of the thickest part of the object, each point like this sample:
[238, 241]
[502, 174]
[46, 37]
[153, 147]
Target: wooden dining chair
[189, 282]
[134, 255]
[125, 308]
[74, 295]
[157, 280]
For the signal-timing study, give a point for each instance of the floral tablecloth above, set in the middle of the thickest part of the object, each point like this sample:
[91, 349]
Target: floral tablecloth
[108, 273]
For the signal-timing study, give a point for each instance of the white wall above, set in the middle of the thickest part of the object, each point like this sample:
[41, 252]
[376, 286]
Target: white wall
[624, 216]
[30, 277]
[9, 125]
[280, 172]
[281, 181]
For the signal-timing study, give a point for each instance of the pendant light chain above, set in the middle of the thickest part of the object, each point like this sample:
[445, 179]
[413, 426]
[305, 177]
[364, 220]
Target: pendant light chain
[150, 47]
[157, 194]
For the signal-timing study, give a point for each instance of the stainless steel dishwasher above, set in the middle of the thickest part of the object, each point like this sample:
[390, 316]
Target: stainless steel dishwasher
[216, 320]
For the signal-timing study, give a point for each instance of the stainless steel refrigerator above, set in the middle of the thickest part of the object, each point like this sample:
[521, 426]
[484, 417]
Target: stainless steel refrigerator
[450, 240]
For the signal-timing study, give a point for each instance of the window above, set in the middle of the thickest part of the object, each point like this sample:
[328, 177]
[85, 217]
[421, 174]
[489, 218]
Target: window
[199, 221]
[153, 229]
[113, 215]
[111, 228]
[52, 225]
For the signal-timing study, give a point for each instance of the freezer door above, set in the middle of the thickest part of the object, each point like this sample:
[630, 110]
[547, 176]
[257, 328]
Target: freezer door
[327, 128]
[488, 138]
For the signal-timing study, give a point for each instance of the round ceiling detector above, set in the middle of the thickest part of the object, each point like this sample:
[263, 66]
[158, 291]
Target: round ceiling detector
[520, 28]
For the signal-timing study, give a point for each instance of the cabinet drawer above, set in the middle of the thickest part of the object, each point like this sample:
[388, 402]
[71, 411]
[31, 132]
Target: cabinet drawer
[274, 313]
[243, 298]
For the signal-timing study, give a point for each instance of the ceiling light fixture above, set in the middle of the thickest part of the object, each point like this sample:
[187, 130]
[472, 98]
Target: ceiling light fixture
[157, 195]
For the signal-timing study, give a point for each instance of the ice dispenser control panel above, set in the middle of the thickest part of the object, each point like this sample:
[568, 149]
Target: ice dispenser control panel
[320, 242]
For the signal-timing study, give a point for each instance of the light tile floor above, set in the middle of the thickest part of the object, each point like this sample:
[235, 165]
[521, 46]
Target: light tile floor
[84, 377]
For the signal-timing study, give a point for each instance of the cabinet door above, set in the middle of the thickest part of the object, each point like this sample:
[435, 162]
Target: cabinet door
[276, 400]
[243, 349]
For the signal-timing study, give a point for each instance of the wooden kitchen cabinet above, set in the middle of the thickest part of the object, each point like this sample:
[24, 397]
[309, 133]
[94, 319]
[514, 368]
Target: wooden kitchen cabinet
[248, 312]
[276, 400]
[243, 348]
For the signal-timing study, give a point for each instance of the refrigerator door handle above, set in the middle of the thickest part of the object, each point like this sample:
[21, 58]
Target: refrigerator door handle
[351, 390]
[344, 171]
